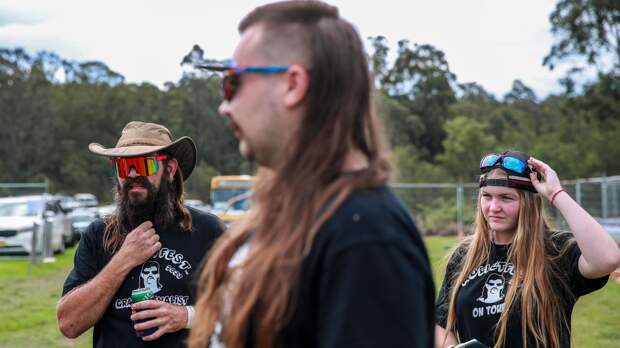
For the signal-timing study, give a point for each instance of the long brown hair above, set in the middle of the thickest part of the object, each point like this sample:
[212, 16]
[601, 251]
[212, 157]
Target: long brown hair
[532, 288]
[293, 200]
[116, 229]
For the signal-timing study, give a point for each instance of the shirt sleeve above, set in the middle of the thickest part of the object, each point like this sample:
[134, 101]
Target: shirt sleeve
[209, 226]
[579, 284]
[443, 299]
[212, 228]
[219, 228]
[85, 265]
[376, 295]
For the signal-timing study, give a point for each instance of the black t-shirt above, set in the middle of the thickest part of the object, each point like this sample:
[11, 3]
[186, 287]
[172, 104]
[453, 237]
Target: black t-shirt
[480, 299]
[367, 281]
[168, 274]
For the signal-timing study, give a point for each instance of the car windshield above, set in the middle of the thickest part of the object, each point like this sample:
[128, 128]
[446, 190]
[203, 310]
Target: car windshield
[29, 208]
[223, 195]
[242, 204]
[220, 206]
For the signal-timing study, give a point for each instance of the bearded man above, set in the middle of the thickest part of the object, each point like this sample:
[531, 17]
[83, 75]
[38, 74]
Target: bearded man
[151, 235]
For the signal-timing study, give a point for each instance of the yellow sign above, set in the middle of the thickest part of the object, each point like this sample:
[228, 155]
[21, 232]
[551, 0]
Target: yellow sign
[2, 244]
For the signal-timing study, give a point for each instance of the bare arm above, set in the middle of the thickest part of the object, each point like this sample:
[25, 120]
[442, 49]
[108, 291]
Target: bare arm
[599, 253]
[440, 333]
[81, 308]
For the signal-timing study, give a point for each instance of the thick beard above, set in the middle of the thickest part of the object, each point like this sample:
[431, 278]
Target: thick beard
[159, 207]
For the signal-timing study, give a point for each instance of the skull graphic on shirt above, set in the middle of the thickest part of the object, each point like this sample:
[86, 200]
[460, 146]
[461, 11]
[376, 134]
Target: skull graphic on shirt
[493, 290]
[150, 277]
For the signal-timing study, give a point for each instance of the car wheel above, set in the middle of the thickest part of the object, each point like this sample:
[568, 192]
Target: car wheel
[71, 240]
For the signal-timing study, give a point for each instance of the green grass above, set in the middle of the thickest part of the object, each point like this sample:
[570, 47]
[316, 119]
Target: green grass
[29, 298]
[596, 317]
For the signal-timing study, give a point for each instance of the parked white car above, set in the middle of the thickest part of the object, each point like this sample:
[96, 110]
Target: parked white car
[86, 199]
[20, 217]
[81, 219]
[104, 210]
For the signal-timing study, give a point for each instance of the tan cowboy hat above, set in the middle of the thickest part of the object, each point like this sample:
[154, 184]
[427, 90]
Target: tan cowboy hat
[141, 138]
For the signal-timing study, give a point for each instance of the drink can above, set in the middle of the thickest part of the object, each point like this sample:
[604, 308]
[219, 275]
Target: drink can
[139, 295]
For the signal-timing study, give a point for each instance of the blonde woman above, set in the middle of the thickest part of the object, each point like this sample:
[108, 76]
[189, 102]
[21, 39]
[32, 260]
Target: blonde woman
[516, 280]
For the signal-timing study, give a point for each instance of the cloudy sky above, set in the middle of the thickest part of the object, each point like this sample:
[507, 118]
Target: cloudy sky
[491, 42]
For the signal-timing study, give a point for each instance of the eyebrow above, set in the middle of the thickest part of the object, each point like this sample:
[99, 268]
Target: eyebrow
[510, 194]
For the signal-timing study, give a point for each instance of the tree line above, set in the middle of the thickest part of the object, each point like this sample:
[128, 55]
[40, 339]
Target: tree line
[51, 108]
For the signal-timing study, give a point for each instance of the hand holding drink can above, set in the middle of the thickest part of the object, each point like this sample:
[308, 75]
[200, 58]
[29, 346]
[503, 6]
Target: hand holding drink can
[139, 295]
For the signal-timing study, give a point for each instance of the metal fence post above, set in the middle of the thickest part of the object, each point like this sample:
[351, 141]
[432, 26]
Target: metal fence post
[612, 198]
[605, 211]
[459, 210]
[47, 239]
[33, 245]
[578, 191]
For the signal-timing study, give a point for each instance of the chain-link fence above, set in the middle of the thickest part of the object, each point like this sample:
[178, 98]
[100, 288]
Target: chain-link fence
[448, 208]
[600, 197]
[440, 208]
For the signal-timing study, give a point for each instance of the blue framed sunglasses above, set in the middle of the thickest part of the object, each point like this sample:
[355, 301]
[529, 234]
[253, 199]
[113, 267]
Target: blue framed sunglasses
[512, 161]
[231, 81]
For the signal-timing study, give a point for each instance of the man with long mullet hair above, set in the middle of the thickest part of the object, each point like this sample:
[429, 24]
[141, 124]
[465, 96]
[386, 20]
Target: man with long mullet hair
[151, 242]
[327, 256]
[514, 282]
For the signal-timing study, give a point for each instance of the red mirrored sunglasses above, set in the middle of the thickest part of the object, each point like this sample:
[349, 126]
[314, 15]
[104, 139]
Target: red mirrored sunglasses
[143, 165]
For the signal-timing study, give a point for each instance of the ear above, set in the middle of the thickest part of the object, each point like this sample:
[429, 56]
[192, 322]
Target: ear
[172, 167]
[297, 84]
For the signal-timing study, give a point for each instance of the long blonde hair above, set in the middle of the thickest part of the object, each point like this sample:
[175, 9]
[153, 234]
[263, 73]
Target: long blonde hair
[531, 288]
[291, 202]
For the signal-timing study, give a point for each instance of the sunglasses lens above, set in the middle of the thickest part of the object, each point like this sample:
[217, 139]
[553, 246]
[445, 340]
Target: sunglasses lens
[230, 84]
[144, 166]
[514, 164]
[152, 166]
[120, 167]
[489, 160]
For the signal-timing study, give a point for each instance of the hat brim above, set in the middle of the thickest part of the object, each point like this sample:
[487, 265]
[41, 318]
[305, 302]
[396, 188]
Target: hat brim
[183, 149]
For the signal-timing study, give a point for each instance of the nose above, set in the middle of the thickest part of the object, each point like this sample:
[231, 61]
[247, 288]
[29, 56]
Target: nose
[132, 172]
[495, 205]
[224, 109]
